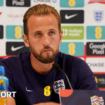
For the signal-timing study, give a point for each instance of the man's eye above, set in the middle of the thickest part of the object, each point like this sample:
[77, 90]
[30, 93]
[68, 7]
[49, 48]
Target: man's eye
[52, 33]
[38, 34]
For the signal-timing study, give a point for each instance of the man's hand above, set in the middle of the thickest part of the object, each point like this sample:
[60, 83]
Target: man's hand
[48, 103]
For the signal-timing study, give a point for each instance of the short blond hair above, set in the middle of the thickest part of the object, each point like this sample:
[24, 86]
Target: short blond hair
[40, 9]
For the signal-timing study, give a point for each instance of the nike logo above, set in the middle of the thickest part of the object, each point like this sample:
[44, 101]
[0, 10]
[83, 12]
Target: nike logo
[29, 90]
[71, 16]
[16, 48]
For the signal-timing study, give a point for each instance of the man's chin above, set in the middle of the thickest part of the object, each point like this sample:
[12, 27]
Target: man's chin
[47, 55]
[47, 59]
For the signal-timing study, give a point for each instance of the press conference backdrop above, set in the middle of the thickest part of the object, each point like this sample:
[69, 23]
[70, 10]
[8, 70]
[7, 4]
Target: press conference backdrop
[83, 25]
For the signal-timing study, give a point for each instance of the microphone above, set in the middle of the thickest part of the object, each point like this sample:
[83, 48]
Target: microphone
[57, 67]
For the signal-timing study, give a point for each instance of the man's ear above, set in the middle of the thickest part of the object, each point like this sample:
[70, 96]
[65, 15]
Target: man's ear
[25, 39]
[61, 34]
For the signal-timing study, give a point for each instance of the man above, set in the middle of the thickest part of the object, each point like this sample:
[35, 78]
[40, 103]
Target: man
[31, 74]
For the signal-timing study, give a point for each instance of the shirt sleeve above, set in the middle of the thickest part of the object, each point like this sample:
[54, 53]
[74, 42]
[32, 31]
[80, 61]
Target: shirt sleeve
[9, 75]
[85, 77]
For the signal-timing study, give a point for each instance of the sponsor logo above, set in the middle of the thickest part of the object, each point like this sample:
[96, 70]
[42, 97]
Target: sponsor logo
[47, 91]
[97, 1]
[1, 32]
[72, 48]
[14, 32]
[58, 85]
[98, 16]
[1, 2]
[18, 3]
[95, 100]
[95, 48]
[29, 90]
[15, 16]
[73, 32]
[96, 79]
[71, 3]
[96, 64]
[72, 16]
[14, 48]
[94, 32]
[100, 79]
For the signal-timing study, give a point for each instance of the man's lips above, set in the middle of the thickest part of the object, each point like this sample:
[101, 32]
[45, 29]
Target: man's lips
[47, 50]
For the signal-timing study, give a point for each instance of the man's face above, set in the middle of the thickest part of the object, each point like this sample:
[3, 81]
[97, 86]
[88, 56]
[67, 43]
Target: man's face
[43, 37]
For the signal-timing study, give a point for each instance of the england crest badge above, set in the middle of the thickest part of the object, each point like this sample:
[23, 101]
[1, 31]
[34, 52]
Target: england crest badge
[59, 84]
[98, 16]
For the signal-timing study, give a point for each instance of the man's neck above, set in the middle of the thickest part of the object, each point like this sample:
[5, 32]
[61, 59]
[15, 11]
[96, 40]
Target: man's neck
[40, 67]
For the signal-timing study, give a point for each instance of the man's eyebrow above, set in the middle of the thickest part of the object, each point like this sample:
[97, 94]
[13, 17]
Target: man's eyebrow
[52, 30]
[41, 31]
[36, 32]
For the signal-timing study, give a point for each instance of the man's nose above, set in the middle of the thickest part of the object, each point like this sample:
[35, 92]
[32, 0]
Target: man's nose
[46, 40]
